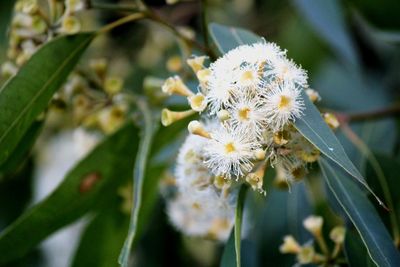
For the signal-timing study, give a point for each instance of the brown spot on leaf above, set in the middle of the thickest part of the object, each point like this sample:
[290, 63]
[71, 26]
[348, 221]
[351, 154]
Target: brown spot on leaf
[89, 181]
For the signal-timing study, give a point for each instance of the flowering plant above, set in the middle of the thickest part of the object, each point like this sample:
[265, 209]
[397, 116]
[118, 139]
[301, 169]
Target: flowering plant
[220, 150]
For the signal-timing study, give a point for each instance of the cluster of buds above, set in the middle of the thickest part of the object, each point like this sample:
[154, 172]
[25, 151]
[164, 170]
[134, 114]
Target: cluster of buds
[32, 26]
[307, 253]
[251, 97]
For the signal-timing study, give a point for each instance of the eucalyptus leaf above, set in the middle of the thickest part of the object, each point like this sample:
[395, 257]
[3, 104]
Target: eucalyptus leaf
[25, 96]
[238, 223]
[227, 38]
[87, 185]
[229, 255]
[326, 18]
[355, 252]
[149, 130]
[362, 214]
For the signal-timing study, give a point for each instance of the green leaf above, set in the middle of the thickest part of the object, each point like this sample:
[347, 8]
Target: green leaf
[355, 252]
[138, 177]
[87, 185]
[229, 255]
[25, 96]
[238, 222]
[362, 214]
[101, 241]
[326, 18]
[228, 38]
[21, 152]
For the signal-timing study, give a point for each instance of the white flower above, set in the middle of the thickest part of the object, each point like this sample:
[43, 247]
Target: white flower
[283, 104]
[248, 112]
[202, 213]
[248, 76]
[285, 70]
[229, 152]
[190, 170]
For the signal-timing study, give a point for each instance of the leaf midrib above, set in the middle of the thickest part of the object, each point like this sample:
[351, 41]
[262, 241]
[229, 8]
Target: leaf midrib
[51, 79]
[356, 213]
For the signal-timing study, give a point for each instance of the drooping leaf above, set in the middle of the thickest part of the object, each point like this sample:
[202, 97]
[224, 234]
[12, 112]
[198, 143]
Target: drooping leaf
[238, 223]
[22, 150]
[227, 38]
[229, 255]
[362, 214]
[101, 241]
[138, 179]
[87, 185]
[326, 18]
[24, 97]
[355, 252]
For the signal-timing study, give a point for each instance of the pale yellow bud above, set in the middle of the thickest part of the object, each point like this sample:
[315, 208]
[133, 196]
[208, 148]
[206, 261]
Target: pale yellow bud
[313, 224]
[75, 5]
[203, 75]
[99, 66]
[338, 234]
[174, 85]
[197, 102]
[70, 25]
[168, 117]
[110, 119]
[281, 138]
[197, 128]
[8, 69]
[113, 85]
[289, 245]
[196, 63]
[306, 255]
[331, 120]
[221, 182]
[223, 115]
[28, 6]
[259, 154]
[38, 25]
[313, 95]
[174, 64]
[256, 179]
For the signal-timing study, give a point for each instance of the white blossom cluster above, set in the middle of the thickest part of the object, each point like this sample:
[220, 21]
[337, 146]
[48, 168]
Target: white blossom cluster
[248, 100]
[253, 95]
[203, 205]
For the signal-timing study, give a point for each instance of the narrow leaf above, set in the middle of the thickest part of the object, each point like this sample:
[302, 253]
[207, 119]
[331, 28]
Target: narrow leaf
[138, 177]
[85, 186]
[28, 93]
[362, 214]
[238, 223]
[314, 129]
[326, 18]
[228, 38]
[229, 255]
[355, 252]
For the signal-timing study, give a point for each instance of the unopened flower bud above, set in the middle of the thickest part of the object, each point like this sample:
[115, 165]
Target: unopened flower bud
[259, 154]
[197, 102]
[203, 75]
[331, 120]
[306, 255]
[70, 25]
[75, 5]
[197, 128]
[221, 182]
[289, 245]
[223, 115]
[196, 63]
[313, 95]
[112, 118]
[168, 117]
[337, 234]
[281, 138]
[174, 85]
[8, 69]
[256, 179]
[174, 64]
[113, 85]
[99, 66]
[313, 224]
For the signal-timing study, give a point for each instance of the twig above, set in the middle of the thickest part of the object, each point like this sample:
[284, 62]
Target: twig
[391, 111]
